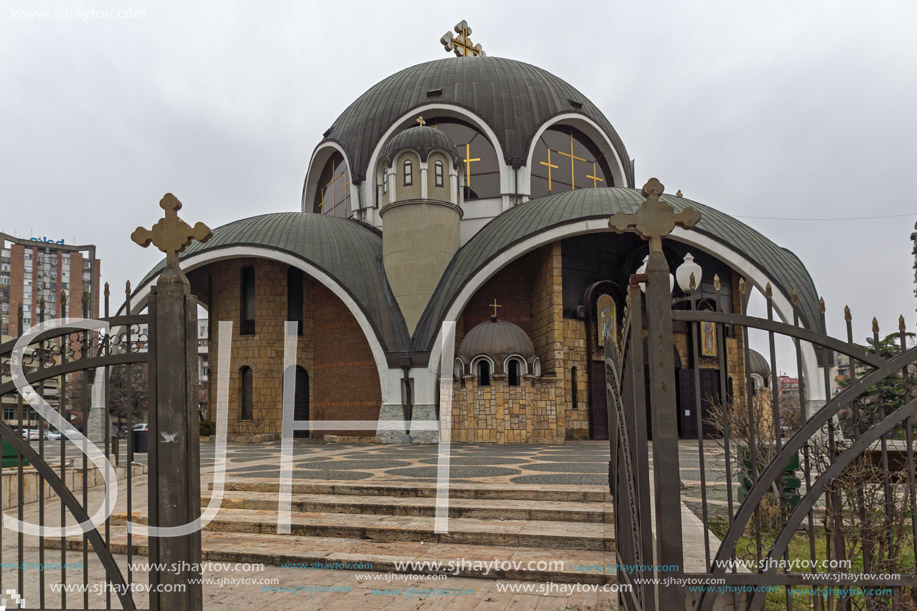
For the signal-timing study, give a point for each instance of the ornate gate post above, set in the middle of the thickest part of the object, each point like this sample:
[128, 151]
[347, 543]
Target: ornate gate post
[174, 465]
[654, 220]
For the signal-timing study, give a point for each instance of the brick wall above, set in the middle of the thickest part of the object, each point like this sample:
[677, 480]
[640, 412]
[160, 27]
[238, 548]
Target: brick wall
[346, 378]
[263, 351]
[574, 355]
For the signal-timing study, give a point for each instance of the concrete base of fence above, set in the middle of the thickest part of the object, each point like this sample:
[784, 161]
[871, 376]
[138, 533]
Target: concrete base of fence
[32, 482]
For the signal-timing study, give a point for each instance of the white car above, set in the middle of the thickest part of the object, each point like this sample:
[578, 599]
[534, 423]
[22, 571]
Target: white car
[31, 434]
[52, 434]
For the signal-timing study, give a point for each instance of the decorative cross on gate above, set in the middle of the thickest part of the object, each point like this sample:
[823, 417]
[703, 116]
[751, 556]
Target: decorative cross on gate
[171, 234]
[461, 44]
[654, 219]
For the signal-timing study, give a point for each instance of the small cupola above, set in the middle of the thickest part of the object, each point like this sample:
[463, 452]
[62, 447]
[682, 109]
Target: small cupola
[421, 162]
[497, 347]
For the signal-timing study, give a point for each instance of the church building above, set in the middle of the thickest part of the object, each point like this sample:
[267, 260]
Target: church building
[478, 190]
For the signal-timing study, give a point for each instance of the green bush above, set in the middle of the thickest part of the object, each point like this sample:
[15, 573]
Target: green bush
[207, 428]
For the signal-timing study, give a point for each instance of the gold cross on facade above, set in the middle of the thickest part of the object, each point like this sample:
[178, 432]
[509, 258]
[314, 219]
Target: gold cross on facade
[550, 167]
[595, 177]
[468, 161]
[655, 218]
[420, 121]
[333, 185]
[461, 43]
[495, 306]
[171, 234]
[573, 158]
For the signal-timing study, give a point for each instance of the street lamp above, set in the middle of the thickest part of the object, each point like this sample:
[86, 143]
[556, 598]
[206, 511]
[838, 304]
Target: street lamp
[642, 270]
[684, 271]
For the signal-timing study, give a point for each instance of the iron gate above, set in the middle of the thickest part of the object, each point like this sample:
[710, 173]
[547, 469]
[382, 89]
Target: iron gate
[821, 516]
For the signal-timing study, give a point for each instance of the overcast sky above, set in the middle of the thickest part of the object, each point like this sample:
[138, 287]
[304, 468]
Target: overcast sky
[773, 109]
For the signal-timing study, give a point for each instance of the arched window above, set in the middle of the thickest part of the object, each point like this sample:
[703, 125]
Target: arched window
[246, 393]
[512, 372]
[384, 181]
[295, 297]
[332, 195]
[566, 159]
[408, 173]
[483, 373]
[438, 173]
[480, 165]
[573, 389]
[248, 301]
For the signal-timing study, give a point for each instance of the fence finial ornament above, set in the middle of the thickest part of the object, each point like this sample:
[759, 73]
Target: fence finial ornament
[901, 326]
[654, 219]
[171, 234]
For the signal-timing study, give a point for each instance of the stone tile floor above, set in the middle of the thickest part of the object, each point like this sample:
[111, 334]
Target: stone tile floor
[576, 465]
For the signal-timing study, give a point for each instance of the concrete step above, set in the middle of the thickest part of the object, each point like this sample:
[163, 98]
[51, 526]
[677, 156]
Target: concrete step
[482, 509]
[593, 494]
[310, 553]
[517, 533]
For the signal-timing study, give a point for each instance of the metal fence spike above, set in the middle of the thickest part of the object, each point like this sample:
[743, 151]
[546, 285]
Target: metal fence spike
[875, 325]
[692, 282]
[742, 285]
[768, 291]
[106, 292]
[127, 287]
[716, 282]
[821, 305]
[901, 326]
[795, 297]
[847, 315]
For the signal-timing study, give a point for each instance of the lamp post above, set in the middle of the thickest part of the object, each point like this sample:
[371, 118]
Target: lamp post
[685, 270]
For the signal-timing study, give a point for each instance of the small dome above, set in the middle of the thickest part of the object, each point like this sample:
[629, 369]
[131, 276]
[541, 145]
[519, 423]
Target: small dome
[497, 339]
[757, 364]
[423, 140]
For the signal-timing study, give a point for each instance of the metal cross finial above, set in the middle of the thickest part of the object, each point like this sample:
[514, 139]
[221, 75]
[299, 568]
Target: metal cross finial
[461, 44]
[420, 121]
[495, 306]
[654, 219]
[171, 234]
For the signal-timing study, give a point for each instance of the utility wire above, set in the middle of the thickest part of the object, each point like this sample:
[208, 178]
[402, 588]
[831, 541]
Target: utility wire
[848, 218]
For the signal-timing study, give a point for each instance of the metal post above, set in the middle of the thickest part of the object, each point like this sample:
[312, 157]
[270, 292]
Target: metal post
[174, 465]
[663, 412]
[174, 450]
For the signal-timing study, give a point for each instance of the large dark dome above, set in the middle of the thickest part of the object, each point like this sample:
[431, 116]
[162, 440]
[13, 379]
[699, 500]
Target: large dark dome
[512, 97]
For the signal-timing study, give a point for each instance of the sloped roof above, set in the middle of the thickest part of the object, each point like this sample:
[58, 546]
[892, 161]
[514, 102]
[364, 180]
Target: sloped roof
[346, 250]
[512, 97]
[539, 215]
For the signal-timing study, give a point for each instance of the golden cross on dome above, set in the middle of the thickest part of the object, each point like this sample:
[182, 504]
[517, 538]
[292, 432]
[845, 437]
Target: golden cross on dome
[468, 161]
[461, 43]
[595, 177]
[171, 234]
[420, 121]
[495, 306]
[654, 219]
[551, 166]
[573, 158]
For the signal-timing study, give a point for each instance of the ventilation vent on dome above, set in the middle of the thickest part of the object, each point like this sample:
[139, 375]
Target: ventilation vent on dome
[435, 93]
[575, 104]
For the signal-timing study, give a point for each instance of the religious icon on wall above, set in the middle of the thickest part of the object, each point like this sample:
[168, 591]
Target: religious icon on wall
[708, 338]
[606, 315]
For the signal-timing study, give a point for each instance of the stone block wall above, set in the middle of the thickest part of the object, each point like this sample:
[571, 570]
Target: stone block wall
[501, 413]
[574, 356]
[263, 351]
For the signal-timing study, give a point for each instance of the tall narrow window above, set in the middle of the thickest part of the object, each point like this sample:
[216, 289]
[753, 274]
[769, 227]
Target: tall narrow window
[438, 173]
[294, 297]
[512, 372]
[408, 173]
[248, 301]
[483, 373]
[246, 393]
[301, 400]
[384, 181]
[573, 389]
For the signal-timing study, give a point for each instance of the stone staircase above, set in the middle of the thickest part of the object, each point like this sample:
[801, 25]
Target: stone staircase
[381, 526]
